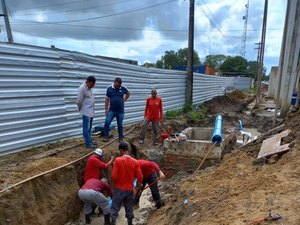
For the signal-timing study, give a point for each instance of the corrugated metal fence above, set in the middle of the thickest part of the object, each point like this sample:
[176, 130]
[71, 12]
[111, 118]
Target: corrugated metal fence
[38, 89]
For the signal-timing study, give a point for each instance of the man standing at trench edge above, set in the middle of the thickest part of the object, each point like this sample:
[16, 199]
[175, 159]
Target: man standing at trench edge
[86, 107]
[116, 95]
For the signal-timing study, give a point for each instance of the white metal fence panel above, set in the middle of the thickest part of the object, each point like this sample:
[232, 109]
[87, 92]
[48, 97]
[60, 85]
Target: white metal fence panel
[38, 90]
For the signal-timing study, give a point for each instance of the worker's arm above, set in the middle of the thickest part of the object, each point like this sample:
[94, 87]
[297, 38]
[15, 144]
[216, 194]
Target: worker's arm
[111, 159]
[157, 169]
[106, 105]
[161, 174]
[146, 107]
[161, 114]
[126, 96]
[108, 190]
[80, 96]
[139, 173]
[115, 172]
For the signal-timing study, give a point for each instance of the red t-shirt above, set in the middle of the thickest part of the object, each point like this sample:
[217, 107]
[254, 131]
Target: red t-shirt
[153, 109]
[93, 166]
[97, 185]
[148, 167]
[124, 171]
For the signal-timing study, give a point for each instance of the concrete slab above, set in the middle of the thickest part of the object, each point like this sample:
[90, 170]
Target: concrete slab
[273, 145]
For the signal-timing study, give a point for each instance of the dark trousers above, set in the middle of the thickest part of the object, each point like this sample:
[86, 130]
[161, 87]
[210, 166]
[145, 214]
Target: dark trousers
[119, 197]
[153, 187]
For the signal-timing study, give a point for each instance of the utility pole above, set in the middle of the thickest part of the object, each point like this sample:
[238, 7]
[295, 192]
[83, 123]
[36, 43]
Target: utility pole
[7, 24]
[258, 65]
[244, 38]
[261, 55]
[189, 83]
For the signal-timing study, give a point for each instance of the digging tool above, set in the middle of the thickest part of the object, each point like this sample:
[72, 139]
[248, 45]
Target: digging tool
[270, 217]
[137, 196]
[204, 158]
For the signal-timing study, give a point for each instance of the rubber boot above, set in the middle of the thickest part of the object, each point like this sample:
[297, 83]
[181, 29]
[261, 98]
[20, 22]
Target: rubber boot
[158, 205]
[88, 218]
[107, 219]
[129, 221]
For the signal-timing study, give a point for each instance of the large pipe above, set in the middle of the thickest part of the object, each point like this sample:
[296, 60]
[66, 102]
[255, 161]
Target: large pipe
[217, 134]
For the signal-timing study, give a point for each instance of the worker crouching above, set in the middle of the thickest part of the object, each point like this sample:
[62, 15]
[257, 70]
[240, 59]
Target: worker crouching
[93, 192]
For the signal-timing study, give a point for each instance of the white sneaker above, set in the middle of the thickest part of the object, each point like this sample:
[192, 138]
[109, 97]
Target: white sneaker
[141, 141]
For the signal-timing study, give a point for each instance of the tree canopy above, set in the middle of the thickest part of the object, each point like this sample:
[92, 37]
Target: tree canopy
[236, 64]
[178, 58]
[215, 60]
[231, 65]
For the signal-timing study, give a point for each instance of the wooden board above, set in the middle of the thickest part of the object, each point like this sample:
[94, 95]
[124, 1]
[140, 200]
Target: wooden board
[273, 145]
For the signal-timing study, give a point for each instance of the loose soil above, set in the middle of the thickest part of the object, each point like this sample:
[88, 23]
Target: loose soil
[237, 191]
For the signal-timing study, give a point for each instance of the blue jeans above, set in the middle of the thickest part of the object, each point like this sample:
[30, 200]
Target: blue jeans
[119, 197]
[87, 123]
[109, 117]
[154, 187]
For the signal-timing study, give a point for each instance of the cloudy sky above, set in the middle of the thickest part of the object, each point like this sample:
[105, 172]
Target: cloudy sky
[143, 30]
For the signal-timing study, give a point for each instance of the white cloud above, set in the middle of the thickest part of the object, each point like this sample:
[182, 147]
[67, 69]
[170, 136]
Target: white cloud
[218, 27]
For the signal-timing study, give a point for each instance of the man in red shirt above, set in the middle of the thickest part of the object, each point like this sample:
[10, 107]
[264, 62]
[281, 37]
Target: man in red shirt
[150, 170]
[154, 114]
[124, 171]
[94, 164]
[92, 192]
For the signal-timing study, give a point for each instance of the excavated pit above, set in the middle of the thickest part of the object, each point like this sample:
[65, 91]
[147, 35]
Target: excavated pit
[186, 155]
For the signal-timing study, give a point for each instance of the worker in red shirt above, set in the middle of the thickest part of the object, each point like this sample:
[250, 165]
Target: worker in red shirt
[125, 170]
[150, 170]
[94, 164]
[154, 114]
[93, 192]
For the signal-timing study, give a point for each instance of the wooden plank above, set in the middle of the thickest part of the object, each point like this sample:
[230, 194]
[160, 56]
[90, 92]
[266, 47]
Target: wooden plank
[273, 145]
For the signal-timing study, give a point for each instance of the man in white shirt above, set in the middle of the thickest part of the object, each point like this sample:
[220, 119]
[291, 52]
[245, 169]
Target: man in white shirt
[86, 107]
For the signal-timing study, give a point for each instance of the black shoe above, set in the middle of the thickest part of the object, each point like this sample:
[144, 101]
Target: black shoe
[107, 219]
[88, 218]
[91, 146]
[159, 205]
[129, 221]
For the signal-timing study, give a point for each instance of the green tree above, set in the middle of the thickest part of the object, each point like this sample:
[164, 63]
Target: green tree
[148, 64]
[252, 69]
[235, 64]
[159, 64]
[179, 58]
[215, 60]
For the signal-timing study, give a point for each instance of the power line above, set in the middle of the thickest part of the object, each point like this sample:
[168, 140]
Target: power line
[110, 15]
[74, 10]
[214, 25]
[57, 4]
[33, 23]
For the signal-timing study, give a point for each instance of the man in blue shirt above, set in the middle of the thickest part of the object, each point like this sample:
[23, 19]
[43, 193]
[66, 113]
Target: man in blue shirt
[116, 95]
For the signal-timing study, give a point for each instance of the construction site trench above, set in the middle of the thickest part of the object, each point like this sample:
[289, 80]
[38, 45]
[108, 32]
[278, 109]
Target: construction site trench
[232, 186]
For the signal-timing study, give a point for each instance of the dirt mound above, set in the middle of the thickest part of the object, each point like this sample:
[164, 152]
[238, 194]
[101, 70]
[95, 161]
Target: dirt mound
[238, 95]
[239, 191]
[225, 104]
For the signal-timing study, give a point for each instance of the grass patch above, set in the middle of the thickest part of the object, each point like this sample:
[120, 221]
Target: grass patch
[198, 114]
[173, 113]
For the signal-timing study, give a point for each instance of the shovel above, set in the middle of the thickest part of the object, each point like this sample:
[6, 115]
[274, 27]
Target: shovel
[137, 196]
[270, 217]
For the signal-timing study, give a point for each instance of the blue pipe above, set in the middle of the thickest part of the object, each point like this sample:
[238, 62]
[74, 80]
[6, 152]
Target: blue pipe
[217, 134]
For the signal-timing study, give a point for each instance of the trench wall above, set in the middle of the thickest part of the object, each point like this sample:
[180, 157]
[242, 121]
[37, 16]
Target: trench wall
[49, 199]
